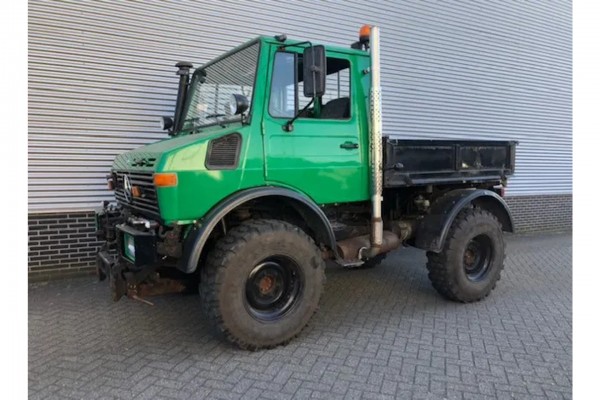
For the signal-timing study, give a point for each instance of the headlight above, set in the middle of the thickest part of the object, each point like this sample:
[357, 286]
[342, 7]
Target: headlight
[238, 104]
[232, 104]
[166, 123]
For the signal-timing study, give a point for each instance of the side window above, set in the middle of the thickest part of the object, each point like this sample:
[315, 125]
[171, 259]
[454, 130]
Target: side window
[338, 84]
[287, 95]
[335, 104]
[283, 95]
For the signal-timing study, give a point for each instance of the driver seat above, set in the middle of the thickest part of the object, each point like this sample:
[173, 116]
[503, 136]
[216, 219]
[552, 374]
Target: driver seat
[336, 109]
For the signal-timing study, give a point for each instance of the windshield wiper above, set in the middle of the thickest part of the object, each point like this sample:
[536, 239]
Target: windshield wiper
[195, 119]
[194, 128]
[216, 116]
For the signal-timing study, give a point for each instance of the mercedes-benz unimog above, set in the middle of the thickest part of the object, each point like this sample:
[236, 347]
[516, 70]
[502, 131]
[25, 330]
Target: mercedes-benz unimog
[276, 162]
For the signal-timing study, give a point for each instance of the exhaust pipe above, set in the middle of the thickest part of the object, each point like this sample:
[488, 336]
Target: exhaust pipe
[184, 79]
[376, 150]
[356, 247]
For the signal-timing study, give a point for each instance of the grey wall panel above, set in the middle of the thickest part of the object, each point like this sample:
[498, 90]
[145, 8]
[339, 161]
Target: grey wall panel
[100, 73]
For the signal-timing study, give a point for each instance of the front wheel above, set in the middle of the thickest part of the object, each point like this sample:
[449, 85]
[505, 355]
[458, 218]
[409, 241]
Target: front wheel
[472, 259]
[262, 283]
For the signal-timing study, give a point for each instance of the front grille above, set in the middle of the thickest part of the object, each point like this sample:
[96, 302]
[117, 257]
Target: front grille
[147, 203]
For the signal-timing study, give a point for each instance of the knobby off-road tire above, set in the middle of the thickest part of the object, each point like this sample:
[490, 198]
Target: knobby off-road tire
[472, 259]
[262, 283]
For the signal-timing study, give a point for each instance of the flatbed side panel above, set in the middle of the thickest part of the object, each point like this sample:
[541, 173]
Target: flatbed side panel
[421, 162]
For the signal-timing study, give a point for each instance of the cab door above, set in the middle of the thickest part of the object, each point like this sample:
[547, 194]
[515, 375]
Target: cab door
[322, 155]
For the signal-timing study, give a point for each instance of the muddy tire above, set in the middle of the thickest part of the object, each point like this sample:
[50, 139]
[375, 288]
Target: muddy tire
[470, 264]
[262, 283]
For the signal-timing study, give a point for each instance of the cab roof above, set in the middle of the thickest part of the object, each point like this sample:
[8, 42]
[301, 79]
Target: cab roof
[288, 42]
[329, 47]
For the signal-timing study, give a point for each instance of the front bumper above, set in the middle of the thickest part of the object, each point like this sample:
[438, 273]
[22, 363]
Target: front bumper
[144, 246]
[124, 273]
[133, 258]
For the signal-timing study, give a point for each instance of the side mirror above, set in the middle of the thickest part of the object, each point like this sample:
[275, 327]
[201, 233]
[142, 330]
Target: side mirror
[238, 104]
[314, 71]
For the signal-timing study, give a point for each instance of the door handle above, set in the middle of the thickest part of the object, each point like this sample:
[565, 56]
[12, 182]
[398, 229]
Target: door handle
[349, 146]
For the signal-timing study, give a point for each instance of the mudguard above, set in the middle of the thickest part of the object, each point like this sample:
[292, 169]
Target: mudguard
[434, 227]
[312, 214]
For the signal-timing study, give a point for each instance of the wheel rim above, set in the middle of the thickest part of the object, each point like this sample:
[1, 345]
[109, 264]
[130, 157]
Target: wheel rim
[477, 258]
[273, 288]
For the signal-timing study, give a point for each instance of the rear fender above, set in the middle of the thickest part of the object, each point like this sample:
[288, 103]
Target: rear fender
[434, 227]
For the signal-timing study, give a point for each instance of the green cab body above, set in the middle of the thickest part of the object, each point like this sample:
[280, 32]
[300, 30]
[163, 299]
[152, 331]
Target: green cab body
[310, 160]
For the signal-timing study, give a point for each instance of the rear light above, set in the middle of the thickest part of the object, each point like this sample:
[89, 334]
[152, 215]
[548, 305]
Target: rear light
[165, 179]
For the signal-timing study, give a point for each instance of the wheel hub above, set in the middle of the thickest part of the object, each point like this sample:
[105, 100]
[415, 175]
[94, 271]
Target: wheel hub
[477, 258]
[469, 257]
[266, 284]
[272, 288]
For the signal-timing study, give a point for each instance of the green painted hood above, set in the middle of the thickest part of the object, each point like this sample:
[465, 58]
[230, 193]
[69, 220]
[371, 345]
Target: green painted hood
[199, 188]
[161, 155]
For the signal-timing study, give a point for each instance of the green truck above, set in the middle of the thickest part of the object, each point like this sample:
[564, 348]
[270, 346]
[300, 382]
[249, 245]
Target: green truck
[276, 163]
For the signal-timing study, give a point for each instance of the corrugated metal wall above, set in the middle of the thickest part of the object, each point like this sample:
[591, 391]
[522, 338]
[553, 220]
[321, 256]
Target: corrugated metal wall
[100, 73]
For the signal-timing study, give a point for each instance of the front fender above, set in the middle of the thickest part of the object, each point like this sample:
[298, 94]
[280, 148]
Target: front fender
[198, 236]
[434, 227]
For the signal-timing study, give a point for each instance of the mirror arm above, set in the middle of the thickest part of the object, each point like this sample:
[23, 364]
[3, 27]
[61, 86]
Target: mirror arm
[289, 126]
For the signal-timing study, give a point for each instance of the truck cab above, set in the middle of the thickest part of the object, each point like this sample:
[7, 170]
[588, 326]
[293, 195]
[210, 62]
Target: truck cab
[275, 162]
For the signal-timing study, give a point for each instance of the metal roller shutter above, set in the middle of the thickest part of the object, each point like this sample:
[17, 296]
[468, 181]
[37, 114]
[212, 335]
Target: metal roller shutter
[100, 73]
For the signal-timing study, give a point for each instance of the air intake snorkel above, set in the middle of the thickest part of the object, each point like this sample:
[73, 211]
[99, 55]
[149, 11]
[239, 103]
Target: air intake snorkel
[184, 80]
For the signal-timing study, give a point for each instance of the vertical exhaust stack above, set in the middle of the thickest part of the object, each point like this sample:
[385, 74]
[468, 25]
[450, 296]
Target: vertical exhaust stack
[375, 139]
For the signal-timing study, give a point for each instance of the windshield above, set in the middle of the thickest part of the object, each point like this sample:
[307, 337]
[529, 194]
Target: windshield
[209, 101]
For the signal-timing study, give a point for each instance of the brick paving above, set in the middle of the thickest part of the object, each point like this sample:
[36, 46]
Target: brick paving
[382, 333]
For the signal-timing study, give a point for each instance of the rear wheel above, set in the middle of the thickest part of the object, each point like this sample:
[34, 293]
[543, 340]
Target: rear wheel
[262, 283]
[472, 259]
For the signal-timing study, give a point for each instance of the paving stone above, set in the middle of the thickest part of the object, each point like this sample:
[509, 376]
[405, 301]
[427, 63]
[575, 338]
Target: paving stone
[380, 333]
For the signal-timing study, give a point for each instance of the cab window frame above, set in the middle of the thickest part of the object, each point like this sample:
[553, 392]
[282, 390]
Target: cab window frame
[297, 56]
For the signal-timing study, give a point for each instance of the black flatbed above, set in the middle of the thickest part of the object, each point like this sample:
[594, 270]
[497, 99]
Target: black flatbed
[424, 162]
